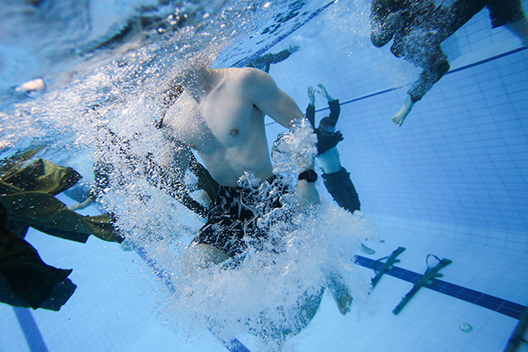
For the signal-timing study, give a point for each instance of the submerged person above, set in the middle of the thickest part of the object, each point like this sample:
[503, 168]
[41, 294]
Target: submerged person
[264, 62]
[419, 27]
[336, 178]
[220, 114]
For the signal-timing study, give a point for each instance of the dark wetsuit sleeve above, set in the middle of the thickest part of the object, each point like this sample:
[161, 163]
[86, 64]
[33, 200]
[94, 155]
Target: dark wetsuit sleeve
[335, 109]
[264, 62]
[278, 57]
[505, 11]
[310, 114]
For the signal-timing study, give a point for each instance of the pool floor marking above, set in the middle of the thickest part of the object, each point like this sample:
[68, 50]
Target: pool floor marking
[30, 329]
[233, 346]
[499, 305]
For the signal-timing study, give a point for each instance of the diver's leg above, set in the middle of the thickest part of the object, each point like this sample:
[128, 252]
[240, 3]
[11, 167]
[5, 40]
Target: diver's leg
[404, 111]
[304, 312]
[308, 306]
[435, 66]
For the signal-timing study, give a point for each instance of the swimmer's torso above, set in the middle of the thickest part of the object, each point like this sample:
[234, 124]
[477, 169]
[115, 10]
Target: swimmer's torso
[226, 129]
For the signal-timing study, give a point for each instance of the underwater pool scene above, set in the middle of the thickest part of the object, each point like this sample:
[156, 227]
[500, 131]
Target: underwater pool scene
[419, 241]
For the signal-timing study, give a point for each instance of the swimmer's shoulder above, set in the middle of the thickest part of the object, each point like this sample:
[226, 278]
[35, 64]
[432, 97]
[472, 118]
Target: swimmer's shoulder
[244, 75]
[248, 81]
[182, 109]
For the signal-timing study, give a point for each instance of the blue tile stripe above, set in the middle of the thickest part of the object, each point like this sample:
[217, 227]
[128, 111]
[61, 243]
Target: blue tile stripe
[233, 346]
[496, 304]
[237, 346]
[156, 268]
[30, 329]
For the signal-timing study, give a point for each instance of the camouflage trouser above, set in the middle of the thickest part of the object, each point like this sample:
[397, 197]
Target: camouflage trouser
[27, 195]
[27, 199]
[25, 280]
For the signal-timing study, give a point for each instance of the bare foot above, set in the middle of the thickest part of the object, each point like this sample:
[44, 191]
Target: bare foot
[340, 292]
[402, 114]
[366, 249]
[344, 303]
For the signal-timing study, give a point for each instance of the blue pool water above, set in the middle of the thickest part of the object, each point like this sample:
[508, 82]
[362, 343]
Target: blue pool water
[452, 181]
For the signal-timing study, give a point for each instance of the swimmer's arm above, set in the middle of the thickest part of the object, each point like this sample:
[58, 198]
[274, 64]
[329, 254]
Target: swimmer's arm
[306, 194]
[171, 177]
[270, 99]
[263, 92]
[174, 164]
[310, 110]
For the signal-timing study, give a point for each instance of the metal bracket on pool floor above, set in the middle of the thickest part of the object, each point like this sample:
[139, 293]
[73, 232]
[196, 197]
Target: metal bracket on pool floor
[387, 266]
[426, 280]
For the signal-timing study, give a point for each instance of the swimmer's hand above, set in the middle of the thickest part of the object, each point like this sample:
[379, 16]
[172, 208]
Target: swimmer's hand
[402, 114]
[311, 95]
[202, 256]
[322, 90]
[293, 48]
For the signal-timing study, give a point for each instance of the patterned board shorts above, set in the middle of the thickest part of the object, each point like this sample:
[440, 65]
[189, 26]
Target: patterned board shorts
[233, 222]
